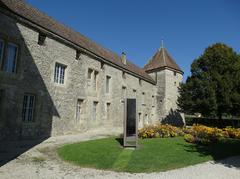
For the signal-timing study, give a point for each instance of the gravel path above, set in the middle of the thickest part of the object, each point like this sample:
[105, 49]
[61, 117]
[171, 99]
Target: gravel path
[41, 161]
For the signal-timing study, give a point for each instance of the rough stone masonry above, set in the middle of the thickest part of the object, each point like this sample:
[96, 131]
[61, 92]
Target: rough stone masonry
[54, 81]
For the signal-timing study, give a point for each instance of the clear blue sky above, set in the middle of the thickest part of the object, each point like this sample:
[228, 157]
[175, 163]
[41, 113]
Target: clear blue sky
[137, 26]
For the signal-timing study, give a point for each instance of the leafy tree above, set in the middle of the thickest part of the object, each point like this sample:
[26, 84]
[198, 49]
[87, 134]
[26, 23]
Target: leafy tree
[213, 89]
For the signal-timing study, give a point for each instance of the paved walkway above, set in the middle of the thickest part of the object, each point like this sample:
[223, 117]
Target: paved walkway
[41, 161]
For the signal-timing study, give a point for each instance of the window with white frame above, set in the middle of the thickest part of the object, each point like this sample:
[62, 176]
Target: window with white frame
[108, 78]
[1, 50]
[79, 109]
[10, 60]
[28, 107]
[94, 112]
[59, 73]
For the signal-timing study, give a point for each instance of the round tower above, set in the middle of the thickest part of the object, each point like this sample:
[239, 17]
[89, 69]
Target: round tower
[168, 75]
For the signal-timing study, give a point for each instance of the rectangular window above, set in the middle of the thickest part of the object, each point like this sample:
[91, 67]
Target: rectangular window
[153, 101]
[108, 84]
[94, 112]
[146, 119]
[59, 73]
[90, 73]
[139, 117]
[123, 75]
[28, 107]
[95, 80]
[124, 92]
[9, 63]
[1, 50]
[143, 98]
[140, 82]
[174, 73]
[79, 109]
[41, 38]
[108, 111]
[134, 93]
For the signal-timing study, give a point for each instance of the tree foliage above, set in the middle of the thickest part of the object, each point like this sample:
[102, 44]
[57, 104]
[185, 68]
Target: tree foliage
[213, 89]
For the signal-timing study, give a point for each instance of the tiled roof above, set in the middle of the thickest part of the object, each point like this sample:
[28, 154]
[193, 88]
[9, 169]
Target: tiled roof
[35, 16]
[160, 60]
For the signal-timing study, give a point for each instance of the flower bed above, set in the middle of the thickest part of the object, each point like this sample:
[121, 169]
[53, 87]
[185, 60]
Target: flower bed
[194, 134]
[160, 131]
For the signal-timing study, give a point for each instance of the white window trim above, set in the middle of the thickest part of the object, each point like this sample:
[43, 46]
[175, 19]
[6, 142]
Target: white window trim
[58, 79]
[6, 55]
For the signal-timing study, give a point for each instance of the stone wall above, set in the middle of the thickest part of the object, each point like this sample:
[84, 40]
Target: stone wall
[55, 109]
[168, 82]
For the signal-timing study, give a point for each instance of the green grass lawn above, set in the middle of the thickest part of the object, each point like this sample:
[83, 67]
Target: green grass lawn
[159, 154]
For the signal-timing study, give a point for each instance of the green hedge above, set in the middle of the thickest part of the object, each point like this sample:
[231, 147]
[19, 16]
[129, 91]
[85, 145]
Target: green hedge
[213, 122]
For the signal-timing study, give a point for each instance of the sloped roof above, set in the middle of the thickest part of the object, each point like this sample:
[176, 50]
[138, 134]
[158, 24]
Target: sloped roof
[35, 16]
[161, 59]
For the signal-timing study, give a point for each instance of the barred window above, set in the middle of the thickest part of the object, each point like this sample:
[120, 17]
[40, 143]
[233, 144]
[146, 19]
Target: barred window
[28, 108]
[9, 63]
[59, 73]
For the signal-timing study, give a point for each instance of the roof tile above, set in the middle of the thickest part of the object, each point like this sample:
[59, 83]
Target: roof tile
[34, 15]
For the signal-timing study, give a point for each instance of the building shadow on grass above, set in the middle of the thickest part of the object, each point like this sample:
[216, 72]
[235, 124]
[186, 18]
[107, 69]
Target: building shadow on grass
[119, 140]
[225, 152]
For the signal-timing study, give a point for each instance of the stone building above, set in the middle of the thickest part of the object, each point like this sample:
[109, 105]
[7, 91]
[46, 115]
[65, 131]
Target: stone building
[55, 81]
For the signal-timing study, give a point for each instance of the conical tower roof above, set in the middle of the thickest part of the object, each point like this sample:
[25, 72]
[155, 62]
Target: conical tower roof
[161, 60]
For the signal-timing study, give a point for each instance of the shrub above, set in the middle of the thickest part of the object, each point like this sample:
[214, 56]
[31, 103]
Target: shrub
[204, 134]
[160, 131]
[189, 138]
[194, 134]
[232, 132]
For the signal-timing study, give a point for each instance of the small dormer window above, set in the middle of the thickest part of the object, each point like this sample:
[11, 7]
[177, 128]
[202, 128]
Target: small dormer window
[41, 38]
